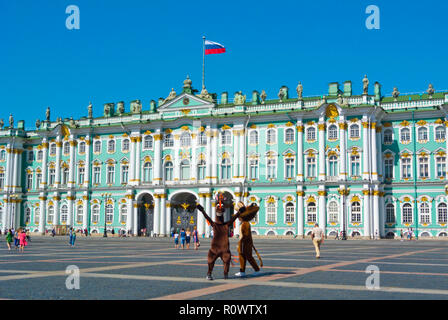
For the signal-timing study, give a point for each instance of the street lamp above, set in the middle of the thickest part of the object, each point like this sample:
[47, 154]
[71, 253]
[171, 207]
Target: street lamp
[106, 196]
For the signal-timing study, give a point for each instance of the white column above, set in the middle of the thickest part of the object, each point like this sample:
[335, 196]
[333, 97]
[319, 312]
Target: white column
[209, 159]
[343, 153]
[137, 163]
[208, 210]
[242, 155]
[15, 169]
[87, 174]
[177, 158]
[376, 212]
[132, 162]
[156, 223]
[379, 154]
[322, 161]
[374, 153]
[236, 152]
[19, 171]
[194, 160]
[71, 178]
[130, 222]
[239, 194]
[158, 136]
[201, 220]
[17, 204]
[44, 182]
[300, 217]
[168, 219]
[365, 149]
[56, 200]
[366, 214]
[70, 219]
[58, 162]
[85, 204]
[382, 214]
[300, 153]
[135, 218]
[322, 209]
[162, 230]
[9, 168]
[5, 212]
[43, 213]
[215, 157]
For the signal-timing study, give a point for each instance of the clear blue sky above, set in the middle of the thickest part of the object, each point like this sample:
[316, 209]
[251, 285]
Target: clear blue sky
[128, 50]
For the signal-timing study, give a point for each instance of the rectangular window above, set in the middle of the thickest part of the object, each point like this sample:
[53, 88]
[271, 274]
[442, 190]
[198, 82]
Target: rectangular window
[253, 172]
[271, 214]
[311, 167]
[289, 164]
[406, 167]
[29, 181]
[271, 169]
[124, 174]
[441, 167]
[2, 180]
[81, 174]
[389, 168]
[38, 180]
[110, 174]
[96, 175]
[424, 167]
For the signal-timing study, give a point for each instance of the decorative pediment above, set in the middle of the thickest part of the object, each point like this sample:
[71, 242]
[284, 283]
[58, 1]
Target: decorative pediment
[185, 102]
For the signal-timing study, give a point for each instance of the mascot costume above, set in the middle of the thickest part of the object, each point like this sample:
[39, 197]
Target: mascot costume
[245, 244]
[220, 242]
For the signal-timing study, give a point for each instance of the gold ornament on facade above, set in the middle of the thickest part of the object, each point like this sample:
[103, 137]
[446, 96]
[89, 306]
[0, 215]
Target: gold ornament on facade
[331, 111]
[321, 193]
[404, 123]
[406, 199]
[421, 122]
[300, 128]
[321, 126]
[185, 111]
[366, 192]
[365, 125]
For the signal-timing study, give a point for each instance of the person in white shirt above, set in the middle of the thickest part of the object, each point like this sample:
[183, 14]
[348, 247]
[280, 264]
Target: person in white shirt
[317, 234]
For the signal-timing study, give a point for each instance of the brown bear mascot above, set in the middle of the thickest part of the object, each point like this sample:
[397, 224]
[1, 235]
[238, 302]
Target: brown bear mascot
[219, 247]
[245, 244]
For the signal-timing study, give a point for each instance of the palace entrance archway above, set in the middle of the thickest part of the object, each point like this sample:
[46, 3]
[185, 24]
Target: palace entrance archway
[184, 212]
[145, 216]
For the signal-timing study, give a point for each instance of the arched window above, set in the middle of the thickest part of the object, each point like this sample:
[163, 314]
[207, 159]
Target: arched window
[333, 212]
[147, 172]
[97, 146]
[226, 138]
[125, 145]
[253, 137]
[147, 142]
[440, 133]
[289, 135]
[40, 155]
[109, 213]
[425, 216]
[168, 171]
[95, 214]
[202, 139]
[407, 213]
[354, 131]
[405, 135]
[79, 214]
[168, 141]
[289, 213]
[271, 136]
[201, 170]
[333, 166]
[111, 146]
[64, 214]
[185, 139]
[311, 134]
[311, 212]
[82, 147]
[422, 134]
[356, 212]
[27, 214]
[36, 215]
[390, 213]
[271, 212]
[66, 148]
[50, 215]
[123, 214]
[226, 169]
[332, 132]
[185, 170]
[2, 155]
[388, 137]
[442, 213]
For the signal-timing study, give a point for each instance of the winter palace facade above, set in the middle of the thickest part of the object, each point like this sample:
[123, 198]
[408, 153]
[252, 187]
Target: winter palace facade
[367, 164]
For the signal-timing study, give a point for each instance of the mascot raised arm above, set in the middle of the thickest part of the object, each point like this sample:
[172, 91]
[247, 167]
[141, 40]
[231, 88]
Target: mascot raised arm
[245, 244]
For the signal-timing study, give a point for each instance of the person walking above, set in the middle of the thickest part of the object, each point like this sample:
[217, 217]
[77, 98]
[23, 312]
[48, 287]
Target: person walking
[176, 239]
[196, 239]
[16, 239]
[317, 235]
[53, 232]
[72, 236]
[188, 238]
[22, 239]
[183, 236]
[337, 235]
[401, 234]
[9, 239]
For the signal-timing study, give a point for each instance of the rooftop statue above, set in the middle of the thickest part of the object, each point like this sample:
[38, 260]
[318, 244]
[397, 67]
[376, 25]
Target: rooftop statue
[2, 124]
[59, 120]
[205, 95]
[120, 107]
[340, 100]
[37, 124]
[263, 96]
[299, 90]
[239, 99]
[106, 110]
[72, 122]
[395, 93]
[187, 82]
[136, 106]
[365, 85]
[47, 114]
[171, 96]
[281, 94]
[90, 110]
[11, 121]
[430, 90]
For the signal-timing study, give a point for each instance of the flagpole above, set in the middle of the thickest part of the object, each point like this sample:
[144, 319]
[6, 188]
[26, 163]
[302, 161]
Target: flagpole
[203, 62]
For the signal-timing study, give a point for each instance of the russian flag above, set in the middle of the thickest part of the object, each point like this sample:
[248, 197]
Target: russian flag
[213, 47]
